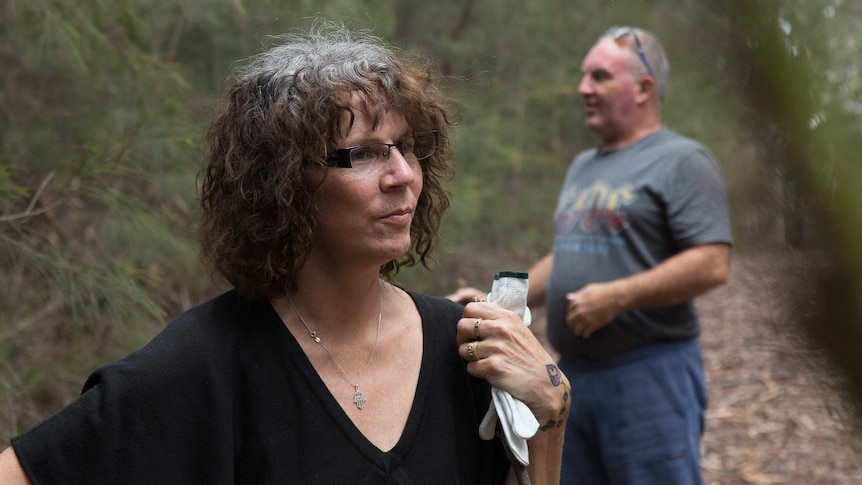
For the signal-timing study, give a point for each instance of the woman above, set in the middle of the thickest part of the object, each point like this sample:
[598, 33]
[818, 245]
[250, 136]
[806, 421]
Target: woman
[322, 178]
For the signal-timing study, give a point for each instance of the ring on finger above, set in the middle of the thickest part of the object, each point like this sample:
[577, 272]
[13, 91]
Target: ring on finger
[471, 350]
[476, 328]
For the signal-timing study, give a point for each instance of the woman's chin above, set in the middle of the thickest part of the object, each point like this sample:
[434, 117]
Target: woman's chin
[395, 250]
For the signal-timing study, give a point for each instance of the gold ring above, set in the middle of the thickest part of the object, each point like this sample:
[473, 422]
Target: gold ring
[471, 350]
[476, 328]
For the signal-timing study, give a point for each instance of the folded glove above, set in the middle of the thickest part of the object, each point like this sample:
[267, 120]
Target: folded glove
[509, 290]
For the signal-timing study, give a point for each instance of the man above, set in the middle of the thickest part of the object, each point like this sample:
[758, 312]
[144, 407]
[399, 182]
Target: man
[641, 228]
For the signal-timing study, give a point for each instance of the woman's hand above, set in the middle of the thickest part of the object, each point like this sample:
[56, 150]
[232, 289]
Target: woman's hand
[500, 349]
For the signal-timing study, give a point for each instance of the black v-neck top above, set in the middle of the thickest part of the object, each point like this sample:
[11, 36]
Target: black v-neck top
[224, 394]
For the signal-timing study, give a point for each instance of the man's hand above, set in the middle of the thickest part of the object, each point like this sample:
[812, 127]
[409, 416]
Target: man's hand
[591, 308]
[466, 295]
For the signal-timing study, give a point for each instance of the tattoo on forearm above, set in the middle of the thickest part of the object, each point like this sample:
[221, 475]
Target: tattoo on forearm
[557, 379]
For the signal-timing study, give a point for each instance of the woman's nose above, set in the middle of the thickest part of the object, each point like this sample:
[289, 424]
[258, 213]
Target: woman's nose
[399, 170]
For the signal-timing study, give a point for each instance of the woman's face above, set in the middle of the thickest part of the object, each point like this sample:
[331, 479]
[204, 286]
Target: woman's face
[364, 214]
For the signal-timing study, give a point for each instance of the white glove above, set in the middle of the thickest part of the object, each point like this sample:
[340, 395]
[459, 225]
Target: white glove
[509, 291]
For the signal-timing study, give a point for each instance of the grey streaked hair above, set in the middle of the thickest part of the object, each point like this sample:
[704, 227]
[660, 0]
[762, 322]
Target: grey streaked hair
[285, 109]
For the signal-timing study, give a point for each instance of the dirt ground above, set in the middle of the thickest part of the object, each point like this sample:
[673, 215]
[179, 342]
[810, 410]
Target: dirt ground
[776, 412]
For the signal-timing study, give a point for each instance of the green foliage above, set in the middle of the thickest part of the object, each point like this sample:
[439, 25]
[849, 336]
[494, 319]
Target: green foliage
[88, 112]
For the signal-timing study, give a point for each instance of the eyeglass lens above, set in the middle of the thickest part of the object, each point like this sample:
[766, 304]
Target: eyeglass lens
[417, 147]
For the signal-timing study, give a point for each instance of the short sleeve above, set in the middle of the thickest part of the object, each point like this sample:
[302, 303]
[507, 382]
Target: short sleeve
[697, 207]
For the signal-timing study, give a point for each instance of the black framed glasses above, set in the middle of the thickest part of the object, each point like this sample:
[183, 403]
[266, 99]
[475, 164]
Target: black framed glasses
[621, 32]
[417, 147]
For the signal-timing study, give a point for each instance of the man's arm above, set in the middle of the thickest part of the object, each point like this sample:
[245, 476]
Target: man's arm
[676, 280]
[11, 472]
[540, 273]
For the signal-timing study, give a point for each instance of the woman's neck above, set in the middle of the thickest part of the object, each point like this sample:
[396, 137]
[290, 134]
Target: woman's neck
[345, 303]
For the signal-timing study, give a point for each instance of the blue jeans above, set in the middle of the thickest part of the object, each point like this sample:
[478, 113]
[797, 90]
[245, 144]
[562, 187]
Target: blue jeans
[636, 418]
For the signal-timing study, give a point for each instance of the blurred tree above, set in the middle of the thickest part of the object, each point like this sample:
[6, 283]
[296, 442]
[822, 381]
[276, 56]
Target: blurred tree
[800, 60]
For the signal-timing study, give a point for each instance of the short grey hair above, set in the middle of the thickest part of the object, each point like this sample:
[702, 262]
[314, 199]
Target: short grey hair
[653, 51]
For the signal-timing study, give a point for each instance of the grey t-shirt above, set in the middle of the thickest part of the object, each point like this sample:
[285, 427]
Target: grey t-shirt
[625, 211]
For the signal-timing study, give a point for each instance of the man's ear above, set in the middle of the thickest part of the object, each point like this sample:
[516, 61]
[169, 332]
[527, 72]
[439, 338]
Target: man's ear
[646, 89]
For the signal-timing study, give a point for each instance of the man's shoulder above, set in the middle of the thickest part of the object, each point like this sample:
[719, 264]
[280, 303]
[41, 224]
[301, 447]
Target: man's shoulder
[669, 139]
[585, 154]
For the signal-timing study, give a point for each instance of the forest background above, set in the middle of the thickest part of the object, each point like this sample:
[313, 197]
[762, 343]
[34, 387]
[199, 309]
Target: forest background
[103, 104]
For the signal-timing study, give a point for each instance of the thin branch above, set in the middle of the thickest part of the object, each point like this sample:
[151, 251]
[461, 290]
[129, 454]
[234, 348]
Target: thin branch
[50, 308]
[39, 191]
[23, 215]
[30, 212]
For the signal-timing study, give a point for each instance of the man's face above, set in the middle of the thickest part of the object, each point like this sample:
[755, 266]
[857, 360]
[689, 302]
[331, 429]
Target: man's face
[609, 91]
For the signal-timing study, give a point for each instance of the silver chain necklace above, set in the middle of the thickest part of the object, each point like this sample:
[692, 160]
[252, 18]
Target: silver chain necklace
[358, 396]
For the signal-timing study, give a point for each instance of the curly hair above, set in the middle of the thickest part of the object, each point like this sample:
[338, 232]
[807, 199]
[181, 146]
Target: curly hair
[282, 112]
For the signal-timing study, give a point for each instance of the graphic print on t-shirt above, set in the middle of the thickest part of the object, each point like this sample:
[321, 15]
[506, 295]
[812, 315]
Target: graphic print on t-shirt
[590, 220]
